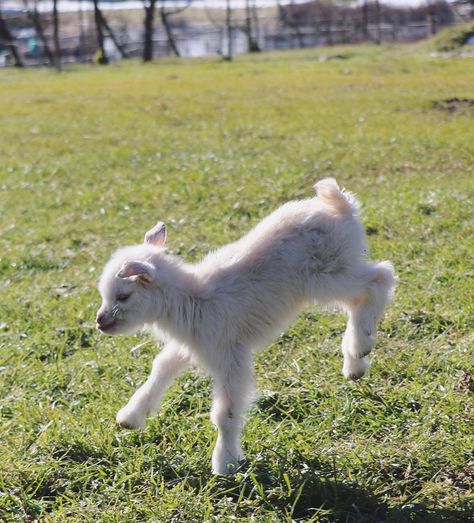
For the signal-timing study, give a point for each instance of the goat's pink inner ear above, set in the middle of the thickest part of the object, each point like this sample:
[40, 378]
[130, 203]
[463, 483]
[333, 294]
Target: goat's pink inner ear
[156, 235]
[135, 270]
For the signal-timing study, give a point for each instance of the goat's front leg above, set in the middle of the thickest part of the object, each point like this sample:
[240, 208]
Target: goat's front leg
[233, 392]
[171, 361]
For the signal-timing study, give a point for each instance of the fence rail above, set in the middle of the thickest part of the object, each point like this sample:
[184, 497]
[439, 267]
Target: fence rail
[79, 42]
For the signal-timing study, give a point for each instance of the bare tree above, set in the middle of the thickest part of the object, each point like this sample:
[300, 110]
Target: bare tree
[9, 40]
[103, 58]
[431, 15]
[378, 31]
[250, 22]
[256, 22]
[217, 24]
[365, 20]
[111, 34]
[229, 31]
[149, 6]
[165, 14]
[56, 45]
[287, 18]
[103, 28]
[35, 18]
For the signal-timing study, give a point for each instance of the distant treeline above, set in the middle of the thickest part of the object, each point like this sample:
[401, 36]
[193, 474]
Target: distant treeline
[30, 36]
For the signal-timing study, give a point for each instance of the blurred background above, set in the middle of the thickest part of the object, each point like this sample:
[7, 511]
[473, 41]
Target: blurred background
[44, 32]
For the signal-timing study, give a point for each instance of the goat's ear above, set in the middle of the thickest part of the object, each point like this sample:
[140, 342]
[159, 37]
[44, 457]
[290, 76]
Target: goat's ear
[136, 270]
[157, 235]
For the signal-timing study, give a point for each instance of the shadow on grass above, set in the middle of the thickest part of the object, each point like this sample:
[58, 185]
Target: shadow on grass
[296, 489]
[314, 494]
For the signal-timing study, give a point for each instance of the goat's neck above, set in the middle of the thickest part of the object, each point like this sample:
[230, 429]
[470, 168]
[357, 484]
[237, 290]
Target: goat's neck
[181, 306]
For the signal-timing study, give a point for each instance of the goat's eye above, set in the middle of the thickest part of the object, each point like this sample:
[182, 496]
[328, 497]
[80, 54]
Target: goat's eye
[123, 297]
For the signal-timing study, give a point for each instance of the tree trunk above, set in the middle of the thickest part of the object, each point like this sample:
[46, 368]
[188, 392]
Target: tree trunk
[432, 21]
[296, 28]
[169, 33]
[365, 21]
[117, 44]
[256, 25]
[9, 42]
[149, 19]
[228, 24]
[289, 21]
[378, 33]
[35, 18]
[103, 59]
[57, 48]
[252, 43]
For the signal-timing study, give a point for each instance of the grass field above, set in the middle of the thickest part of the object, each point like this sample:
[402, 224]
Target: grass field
[91, 158]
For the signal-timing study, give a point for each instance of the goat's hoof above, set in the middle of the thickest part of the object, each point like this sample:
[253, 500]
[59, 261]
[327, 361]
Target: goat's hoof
[354, 368]
[355, 377]
[127, 419]
[225, 462]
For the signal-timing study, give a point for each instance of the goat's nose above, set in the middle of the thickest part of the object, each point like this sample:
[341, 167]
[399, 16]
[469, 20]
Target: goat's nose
[100, 317]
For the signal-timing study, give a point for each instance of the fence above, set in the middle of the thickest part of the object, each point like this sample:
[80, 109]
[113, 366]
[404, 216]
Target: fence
[291, 28]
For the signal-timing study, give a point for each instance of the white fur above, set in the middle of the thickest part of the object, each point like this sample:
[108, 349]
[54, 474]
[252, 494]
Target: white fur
[238, 298]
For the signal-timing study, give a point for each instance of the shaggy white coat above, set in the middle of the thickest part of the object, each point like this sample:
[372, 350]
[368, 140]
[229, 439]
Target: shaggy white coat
[215, 313]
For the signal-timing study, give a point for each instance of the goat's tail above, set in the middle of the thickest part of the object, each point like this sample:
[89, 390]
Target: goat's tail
[342, 201]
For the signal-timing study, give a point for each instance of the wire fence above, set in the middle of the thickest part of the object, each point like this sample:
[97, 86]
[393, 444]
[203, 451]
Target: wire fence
[30, 35]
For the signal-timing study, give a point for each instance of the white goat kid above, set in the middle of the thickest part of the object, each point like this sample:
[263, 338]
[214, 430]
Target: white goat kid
[215, 313]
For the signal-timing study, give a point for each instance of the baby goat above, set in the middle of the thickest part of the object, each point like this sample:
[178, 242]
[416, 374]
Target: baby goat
[215, 313]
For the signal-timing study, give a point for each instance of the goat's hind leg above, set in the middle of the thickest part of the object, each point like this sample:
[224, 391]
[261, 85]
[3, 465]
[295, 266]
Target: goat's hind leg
[364, 310]
[233, 392]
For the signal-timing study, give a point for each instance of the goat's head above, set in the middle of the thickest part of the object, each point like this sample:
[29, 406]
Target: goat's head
[128, 286]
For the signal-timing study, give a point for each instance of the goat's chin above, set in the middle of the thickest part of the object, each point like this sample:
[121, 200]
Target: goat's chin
[120, 329]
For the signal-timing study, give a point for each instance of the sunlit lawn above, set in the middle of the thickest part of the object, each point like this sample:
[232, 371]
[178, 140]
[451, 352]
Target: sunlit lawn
[91, 158]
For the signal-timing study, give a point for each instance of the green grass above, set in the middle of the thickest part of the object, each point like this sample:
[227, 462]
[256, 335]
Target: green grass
[452, 38]
[92, 157]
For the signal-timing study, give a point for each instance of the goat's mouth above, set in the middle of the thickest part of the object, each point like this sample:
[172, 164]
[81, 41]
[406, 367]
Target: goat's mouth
[106, 327]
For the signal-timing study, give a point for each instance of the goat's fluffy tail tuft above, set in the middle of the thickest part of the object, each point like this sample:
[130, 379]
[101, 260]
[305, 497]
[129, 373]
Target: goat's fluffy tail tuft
[342, 201]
